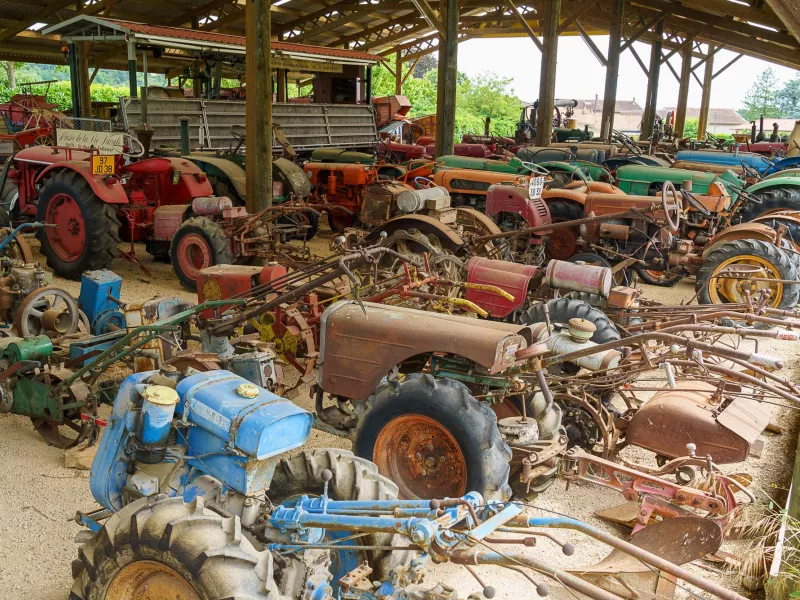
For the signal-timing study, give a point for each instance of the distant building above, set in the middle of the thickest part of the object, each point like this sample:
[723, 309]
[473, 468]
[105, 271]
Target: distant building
[720, 120]
[627, 115]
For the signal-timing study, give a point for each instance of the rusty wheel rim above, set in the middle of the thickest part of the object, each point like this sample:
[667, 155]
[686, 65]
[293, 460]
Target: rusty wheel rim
[562, 243]
[422, 457]
[150, 580]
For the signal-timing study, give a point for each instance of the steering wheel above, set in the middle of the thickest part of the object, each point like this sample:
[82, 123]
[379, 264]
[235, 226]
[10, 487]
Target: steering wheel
[690, 198]
[748, 197]
[534, 168]
[672, 210]
[750, 172]
[626, 141]
[423, 183]
[135, 148]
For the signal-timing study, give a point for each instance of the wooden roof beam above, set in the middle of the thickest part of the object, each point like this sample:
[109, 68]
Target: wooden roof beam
[43, 15]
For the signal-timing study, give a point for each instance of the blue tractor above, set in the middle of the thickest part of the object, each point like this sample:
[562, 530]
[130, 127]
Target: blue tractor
[202, 500]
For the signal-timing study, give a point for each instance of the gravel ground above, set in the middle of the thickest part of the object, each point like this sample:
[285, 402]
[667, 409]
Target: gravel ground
[40, 497]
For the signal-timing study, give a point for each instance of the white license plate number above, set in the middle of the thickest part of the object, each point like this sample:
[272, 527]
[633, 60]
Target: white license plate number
[535, 187]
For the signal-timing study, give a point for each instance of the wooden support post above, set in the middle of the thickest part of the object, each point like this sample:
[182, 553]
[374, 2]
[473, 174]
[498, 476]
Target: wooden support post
[683, 90]
[398, 73]
[612, 72]
[705, 101]
[281, 85]
[85, 81]
[448, 73]
[259, 106]
[651, 101]
[547, 77]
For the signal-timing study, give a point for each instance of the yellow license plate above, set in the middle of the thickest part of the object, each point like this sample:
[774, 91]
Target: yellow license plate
[102, 164]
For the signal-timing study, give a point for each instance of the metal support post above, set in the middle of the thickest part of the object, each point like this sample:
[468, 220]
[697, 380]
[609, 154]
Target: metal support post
[74, 77]
[651, 102]
[368, 86]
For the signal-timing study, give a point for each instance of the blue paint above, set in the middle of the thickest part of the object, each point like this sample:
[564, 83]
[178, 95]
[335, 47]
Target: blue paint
[156, 423]
[98, 298]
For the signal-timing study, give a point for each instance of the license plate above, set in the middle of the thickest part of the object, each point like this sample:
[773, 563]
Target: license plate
[535, 187]
[102, 164]
[6, 147]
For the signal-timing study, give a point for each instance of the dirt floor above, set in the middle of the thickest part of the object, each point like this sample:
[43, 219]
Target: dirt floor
[39, 497]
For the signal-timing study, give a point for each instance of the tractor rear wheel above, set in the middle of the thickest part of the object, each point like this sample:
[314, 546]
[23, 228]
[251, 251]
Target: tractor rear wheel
[752, 258]
[198, 243]
[434, 440]
[772, 200]
[88, 229]
[561, 310]
[169, 549]
[563, 243]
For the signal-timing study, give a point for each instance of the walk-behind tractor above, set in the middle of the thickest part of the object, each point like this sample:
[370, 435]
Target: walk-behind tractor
[202, 498]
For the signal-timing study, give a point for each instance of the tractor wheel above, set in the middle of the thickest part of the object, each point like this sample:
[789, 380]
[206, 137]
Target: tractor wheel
[169, 549]
[562, 310]
[353, 479]
[659, 278]
[792, 227]
[772, 200]
[88, 229]
[198, 243]
[773, 262]
[308, 220]
[562, 243]
[223, 187]
[434, 440]
[338, 221]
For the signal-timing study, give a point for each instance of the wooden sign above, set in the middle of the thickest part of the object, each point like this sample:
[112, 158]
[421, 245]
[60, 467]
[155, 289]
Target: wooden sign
[298, 64]
[104, 141]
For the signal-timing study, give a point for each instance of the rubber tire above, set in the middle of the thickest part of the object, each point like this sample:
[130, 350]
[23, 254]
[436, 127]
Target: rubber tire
[564, 210]
[208, 550]
[313, 227]
[354, 478]
[212, 234]
[644, 276]
[100, 220]
[563, 309]
[780, 259]
[473, 424]
[773, 199]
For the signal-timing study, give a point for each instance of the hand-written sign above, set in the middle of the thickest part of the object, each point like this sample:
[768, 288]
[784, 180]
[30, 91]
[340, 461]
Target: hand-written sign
[298, 64]
[104, 141]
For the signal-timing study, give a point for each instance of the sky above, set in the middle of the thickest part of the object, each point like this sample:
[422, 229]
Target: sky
[580, 75]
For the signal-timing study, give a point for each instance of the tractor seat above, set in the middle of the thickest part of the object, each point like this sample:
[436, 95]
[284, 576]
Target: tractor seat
[150, 165]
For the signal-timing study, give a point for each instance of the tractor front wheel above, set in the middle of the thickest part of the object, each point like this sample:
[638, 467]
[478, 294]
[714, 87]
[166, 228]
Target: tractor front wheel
[87, 231]
[563, 243]
[434, 440]
[198, 243]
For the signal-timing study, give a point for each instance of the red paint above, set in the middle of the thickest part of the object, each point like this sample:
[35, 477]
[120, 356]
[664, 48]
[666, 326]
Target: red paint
[69, 238]
[511, 277]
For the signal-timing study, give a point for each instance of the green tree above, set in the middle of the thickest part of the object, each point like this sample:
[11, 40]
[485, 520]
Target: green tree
[762, 97]
[789, 99]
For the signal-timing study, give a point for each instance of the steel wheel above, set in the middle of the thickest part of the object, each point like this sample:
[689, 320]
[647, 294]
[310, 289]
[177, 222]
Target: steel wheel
[68, 240]
[67, 430]
[48, 310]
[422, 457]
[724, 291]
[150, 580]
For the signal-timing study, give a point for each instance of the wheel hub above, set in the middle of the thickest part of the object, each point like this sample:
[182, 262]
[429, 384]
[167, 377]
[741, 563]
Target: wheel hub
[150, 580]
[68, 239]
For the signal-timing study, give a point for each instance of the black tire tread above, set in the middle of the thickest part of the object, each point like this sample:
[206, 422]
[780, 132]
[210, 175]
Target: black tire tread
[648, 279]
[782, 260]
[488, 474]
[561, 310]
[784, 198]
[208, 550]
[102, 228]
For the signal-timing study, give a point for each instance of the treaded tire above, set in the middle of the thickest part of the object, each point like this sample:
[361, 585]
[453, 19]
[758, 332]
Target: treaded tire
[671, 279]
[217, 249]
[777, 257]
[563, 309]
[773, 199]
[354, 478]
[99, 218]
[563, 210]
[472, 424]
[209, 551]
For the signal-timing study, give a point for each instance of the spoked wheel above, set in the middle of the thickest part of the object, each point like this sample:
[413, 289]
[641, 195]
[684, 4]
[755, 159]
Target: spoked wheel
[64, 429]
[198, 243]
[307, 224]
[734, 269]
[434, 439]
[48, 310]
[475, 224]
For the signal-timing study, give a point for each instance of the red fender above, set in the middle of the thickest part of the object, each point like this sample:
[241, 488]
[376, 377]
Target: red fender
[112, 192]
[511, 277]
[515, 199]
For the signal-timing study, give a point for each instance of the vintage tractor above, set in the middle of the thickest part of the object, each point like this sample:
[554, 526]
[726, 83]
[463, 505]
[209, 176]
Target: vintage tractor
[202, 497]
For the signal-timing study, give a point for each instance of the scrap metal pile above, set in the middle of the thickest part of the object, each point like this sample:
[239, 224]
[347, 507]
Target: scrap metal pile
[477, 333]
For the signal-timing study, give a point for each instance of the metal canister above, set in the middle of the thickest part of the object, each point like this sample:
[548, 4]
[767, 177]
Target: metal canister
[211, 205]
[412, 201]
[157, 411]
[32, 348]
[591, 279]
